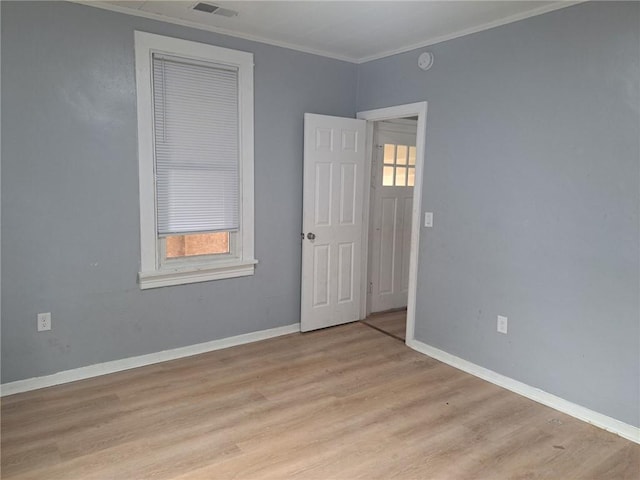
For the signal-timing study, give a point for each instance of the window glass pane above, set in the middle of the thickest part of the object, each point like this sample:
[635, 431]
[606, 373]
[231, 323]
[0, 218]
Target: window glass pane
[389, 153]
[387, 176]
[401, 176]
[411, 179]
[412, 155]
[197, 244]
[401, 156]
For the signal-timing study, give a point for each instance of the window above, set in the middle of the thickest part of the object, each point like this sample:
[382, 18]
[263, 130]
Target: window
[399, 165]
[195, 135]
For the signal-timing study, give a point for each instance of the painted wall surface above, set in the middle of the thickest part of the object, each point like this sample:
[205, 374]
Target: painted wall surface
[533, 175]
[70, 216]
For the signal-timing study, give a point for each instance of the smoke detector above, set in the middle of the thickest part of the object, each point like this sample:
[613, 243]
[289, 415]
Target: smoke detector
[213, 9]
[425, 61]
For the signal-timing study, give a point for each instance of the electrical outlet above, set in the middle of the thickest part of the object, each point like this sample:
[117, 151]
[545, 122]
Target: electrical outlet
[502, 324]
[428, 219]
[44, 321]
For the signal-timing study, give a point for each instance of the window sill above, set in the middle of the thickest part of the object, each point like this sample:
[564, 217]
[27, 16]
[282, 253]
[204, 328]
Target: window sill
[166, 278]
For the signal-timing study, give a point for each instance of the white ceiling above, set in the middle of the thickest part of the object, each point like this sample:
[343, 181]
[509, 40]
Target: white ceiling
[356, 31]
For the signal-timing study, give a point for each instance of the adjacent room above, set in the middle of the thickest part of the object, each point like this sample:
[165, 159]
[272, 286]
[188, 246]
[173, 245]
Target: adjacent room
[320, 240]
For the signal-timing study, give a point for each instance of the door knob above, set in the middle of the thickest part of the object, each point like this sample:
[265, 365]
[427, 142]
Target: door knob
[311, 236]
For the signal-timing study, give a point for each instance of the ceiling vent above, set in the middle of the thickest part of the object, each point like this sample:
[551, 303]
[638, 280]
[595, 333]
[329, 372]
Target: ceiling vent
[214, 9]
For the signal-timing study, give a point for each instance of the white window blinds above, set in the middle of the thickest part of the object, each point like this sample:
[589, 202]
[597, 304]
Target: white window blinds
[196, 146]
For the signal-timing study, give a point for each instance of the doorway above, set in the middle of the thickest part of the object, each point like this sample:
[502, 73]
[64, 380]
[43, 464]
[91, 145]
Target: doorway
[338, 164]
[391, 201]
[393, 164]
[396, 145]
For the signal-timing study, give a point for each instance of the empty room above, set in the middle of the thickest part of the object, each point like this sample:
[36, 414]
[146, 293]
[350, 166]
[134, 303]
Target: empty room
[320, 240]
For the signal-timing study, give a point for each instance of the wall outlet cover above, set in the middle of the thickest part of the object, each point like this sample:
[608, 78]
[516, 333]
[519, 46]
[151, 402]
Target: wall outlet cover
[44, 321]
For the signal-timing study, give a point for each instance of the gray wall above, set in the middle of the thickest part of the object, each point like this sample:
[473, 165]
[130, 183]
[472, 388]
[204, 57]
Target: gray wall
[532, 172]
[70, 218]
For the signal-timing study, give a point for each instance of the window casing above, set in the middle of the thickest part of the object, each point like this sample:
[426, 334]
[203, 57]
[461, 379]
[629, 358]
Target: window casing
[236, 257]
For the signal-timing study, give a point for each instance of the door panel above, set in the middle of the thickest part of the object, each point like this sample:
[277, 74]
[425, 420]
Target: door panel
[348, 194]
[323, 194]
[321, 279]
[333, 190]
[387, 247]
[345, 267]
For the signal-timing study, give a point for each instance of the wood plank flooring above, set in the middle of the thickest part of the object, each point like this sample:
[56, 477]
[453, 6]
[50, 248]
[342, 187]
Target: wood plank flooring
[342, 403]
[392, 323]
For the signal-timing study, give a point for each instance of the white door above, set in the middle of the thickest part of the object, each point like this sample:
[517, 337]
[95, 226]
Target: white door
[334, 159]
[392, 200]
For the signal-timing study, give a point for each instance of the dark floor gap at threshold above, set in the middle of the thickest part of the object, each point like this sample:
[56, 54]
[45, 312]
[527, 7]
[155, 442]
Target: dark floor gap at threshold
[381, 330]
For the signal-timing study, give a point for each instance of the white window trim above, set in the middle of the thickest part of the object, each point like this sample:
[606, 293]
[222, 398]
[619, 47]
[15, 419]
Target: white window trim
[152, 274]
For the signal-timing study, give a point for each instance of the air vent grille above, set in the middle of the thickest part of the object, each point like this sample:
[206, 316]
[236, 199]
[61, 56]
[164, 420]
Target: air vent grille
[214, 9]
[205, 7]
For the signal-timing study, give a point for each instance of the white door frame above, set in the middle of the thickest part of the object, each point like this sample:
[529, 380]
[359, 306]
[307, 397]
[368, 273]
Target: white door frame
[418, 109]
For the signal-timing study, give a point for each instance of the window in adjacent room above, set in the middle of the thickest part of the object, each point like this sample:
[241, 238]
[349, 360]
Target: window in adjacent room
[399, 165]
[195, 134]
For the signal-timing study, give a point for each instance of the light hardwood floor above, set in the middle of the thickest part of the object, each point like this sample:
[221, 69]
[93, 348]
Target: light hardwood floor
[392, 323]
[341, 403]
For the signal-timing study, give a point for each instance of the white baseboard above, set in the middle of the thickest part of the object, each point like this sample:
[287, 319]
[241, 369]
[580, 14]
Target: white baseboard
[597, 419]
[140, 361]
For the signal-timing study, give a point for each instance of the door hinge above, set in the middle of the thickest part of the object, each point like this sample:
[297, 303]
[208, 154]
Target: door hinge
[370, 287]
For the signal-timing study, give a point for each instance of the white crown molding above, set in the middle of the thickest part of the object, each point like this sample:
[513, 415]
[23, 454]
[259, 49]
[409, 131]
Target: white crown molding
[478, 28]
[98, 369]
[557, 403]
[255, 38]
[208, 28]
